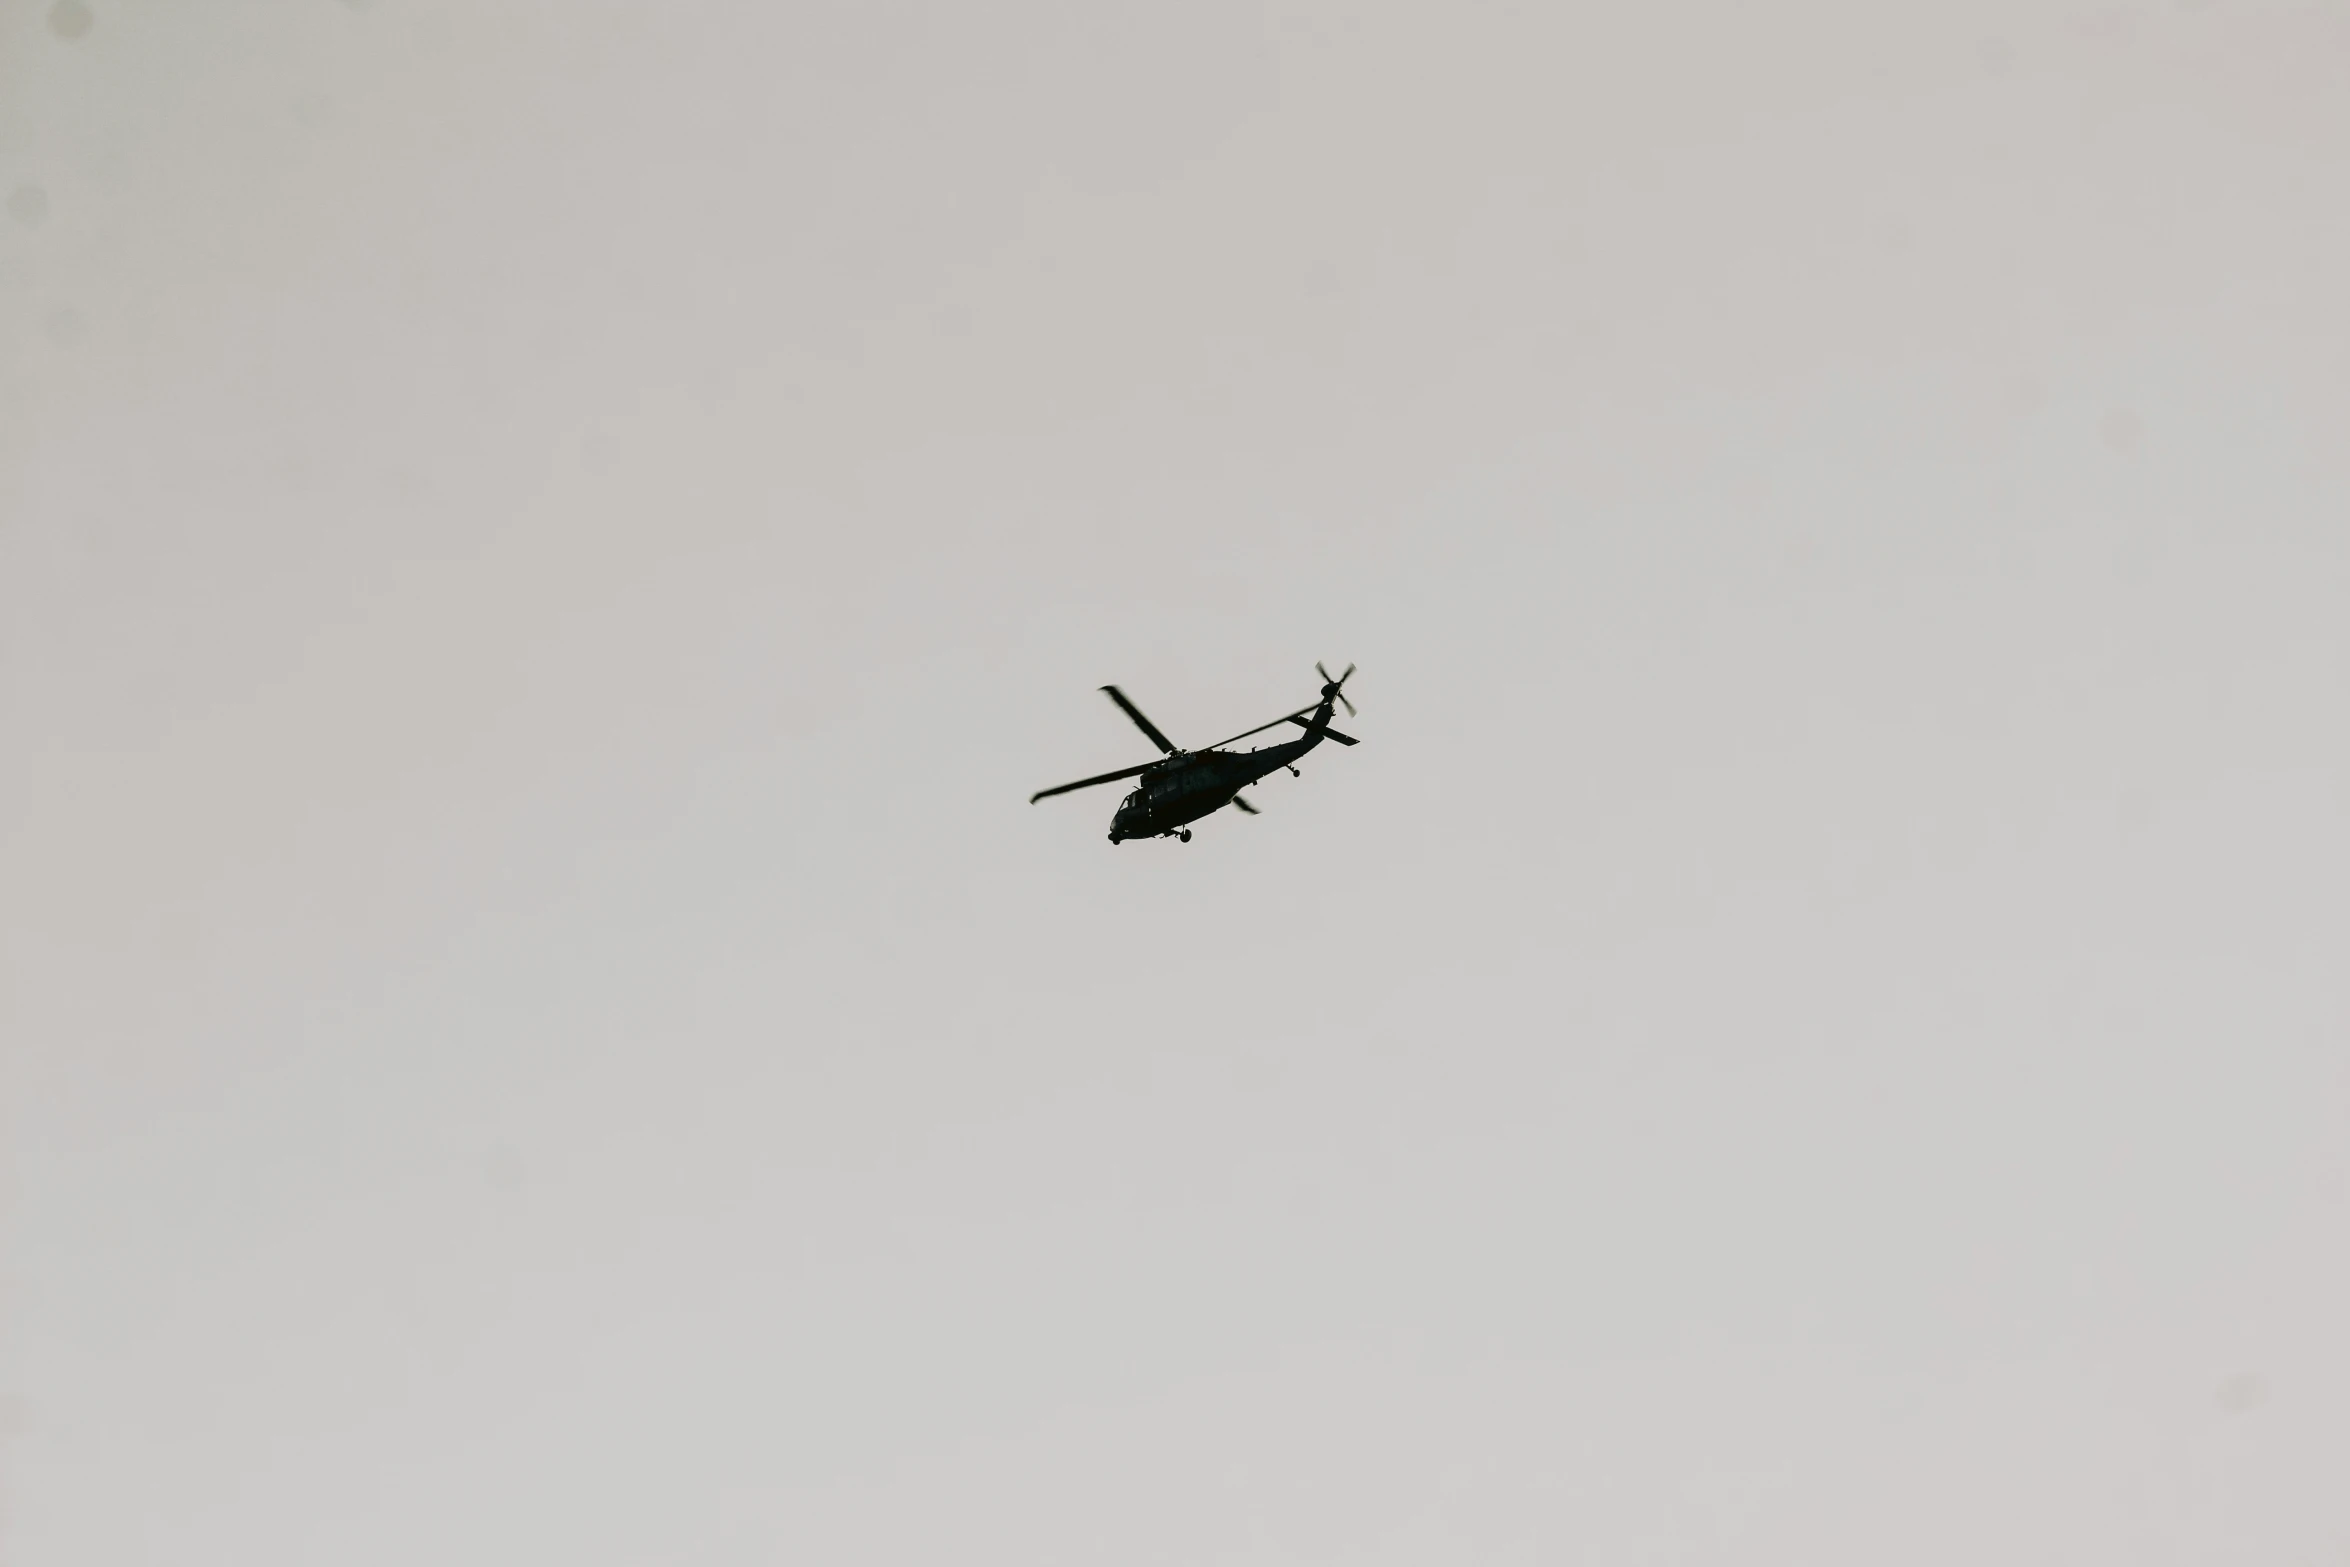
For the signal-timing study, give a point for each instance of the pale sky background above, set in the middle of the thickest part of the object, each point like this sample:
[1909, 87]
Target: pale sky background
[544, 546]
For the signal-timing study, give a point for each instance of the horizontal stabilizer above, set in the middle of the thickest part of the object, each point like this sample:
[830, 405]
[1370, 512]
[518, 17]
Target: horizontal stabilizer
[1331, 733]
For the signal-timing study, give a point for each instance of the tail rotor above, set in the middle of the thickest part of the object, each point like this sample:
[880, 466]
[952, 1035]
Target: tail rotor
[1332, 688]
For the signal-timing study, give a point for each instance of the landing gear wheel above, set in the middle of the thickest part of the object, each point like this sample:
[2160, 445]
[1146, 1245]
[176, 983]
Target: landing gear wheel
[1183, 836]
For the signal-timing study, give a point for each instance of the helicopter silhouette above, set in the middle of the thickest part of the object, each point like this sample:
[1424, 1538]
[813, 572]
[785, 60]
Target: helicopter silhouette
[1183, 786]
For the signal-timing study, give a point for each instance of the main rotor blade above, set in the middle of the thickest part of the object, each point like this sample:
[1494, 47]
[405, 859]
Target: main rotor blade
[1140, 722]
[1087, 783]
[1285, 718]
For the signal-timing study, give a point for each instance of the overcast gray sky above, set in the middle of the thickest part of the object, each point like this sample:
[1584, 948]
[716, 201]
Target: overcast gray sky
[544, 546]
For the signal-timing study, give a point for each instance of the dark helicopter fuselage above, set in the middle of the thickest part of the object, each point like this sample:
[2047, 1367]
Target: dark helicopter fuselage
[1183, 786]
[1191, 784]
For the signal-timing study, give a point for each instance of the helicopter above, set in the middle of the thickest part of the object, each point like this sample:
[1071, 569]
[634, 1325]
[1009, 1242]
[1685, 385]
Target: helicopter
[1183, 786]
